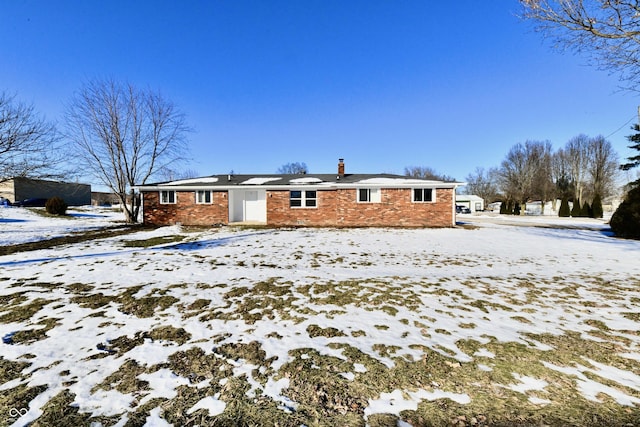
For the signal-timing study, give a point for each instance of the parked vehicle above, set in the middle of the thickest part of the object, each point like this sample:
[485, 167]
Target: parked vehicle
[31, 203]
[462, 209]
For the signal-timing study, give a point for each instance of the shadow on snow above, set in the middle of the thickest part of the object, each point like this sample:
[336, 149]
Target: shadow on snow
[186, 246]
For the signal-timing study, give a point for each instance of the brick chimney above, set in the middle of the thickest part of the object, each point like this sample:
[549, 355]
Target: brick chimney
[340, 167]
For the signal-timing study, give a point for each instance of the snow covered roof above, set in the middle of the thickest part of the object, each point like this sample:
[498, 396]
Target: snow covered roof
[204, 180]
[275, 181]
[260, 180]
[468, 197]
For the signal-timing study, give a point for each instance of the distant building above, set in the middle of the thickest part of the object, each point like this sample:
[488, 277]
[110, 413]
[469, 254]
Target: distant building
[19, 189]
[99, 198]
[471, 201]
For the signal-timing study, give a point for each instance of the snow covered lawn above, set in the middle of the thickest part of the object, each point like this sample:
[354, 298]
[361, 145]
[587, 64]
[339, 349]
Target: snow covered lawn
[482, 324]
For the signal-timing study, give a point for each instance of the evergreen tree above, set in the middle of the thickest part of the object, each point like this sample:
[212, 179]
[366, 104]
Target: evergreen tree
[516, 209]
[503, 208]
[585, 212]
[596, 207]
[634, 161]
[625, 222]
[564, 211]
[576, 210]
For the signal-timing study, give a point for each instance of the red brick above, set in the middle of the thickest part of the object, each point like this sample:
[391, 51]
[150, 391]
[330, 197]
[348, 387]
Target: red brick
[336, 208]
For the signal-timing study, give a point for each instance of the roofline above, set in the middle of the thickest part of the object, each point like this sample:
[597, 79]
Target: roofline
[318, 186]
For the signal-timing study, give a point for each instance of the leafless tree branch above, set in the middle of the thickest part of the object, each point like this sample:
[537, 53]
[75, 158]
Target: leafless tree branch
[125, 135]
[607, 31]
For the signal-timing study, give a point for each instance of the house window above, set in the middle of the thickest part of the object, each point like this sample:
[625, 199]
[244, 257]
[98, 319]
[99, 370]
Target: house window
[167, 197]
[369, 195]
[203, 197]
[423, 195]
[303, 199]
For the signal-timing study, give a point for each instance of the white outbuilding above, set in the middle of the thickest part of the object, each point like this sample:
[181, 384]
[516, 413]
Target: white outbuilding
[471, 201]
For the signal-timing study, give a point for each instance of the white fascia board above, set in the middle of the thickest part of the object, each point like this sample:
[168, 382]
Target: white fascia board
[174, 187]
[318, 186]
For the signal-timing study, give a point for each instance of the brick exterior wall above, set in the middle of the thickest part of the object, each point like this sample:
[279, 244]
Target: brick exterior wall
[280, 214]
[336, 208]
[340, 208]
[185, 211]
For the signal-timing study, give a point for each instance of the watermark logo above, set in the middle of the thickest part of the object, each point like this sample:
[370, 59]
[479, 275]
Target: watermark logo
[15, 413]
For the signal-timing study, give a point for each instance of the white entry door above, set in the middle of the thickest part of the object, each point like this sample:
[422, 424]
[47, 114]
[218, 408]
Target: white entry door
[248, 206]
[251, 206]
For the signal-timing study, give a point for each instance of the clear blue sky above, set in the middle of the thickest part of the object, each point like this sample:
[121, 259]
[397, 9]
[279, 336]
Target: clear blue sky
[384, 84]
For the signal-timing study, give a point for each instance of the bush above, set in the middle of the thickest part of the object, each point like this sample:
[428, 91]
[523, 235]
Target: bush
[576, 210]
[56, 206]
[506, 208]
[625, 221]
[565, 210]
[516, 209]
[596, 207]
[586, 210]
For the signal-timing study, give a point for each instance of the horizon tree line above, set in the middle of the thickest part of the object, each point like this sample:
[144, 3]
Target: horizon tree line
[583, 170]
[124, 136]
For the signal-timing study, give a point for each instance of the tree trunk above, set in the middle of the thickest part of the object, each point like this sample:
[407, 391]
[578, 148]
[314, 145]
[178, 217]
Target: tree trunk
[133, 212]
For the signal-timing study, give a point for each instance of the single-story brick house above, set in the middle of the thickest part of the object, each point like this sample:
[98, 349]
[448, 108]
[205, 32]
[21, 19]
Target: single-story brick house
[325, 200]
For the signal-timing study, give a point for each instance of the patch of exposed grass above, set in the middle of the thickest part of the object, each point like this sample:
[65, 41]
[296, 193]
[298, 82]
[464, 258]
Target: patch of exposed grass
[28, 336]
[152, 241]
[92, 301]
[60, 411]
[264, 300]
[122, 344]
[10, 370]
[16, 400]
[199, 304]
[170, 333]
[323, 395]
[197, 366]
[632, 316]
[483, 304]
[145, 306]
[22, 313]
[251, 352]
[125, 379]
[317, 331]
[77, 237]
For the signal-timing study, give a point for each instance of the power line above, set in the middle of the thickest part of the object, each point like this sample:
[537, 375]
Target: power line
[618, 130]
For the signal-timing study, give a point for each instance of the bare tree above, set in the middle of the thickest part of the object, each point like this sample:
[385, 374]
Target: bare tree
[603, 167]
[168, 174]
[426, 172]
[483, 184]
[521, 170]
[607, 31]
[543, 187]
[560, 176]
[293, 168]
[125, 135]
[28, 143]
[577, 152]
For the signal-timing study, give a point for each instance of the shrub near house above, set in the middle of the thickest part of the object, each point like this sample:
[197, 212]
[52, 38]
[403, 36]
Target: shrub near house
[56, 206]
[625, 222]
